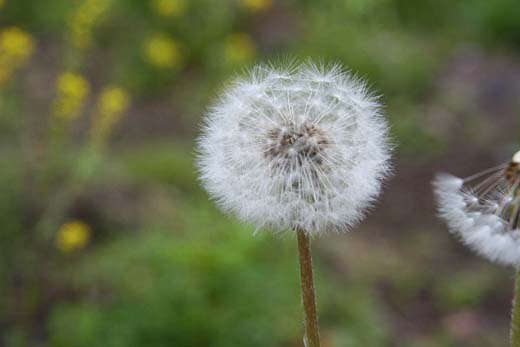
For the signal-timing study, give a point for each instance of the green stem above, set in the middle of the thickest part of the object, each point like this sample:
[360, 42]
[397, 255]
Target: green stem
[312, 336]
[71, 189]
[515, 320]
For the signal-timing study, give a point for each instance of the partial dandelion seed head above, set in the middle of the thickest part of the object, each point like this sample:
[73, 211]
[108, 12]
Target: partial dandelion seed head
[483, 210]
[516, 158]
[295, 148]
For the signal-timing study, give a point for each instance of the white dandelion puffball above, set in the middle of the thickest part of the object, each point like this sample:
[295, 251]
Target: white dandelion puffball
[303, 148]
[483, 210]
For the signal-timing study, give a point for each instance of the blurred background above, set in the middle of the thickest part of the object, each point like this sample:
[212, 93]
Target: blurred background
[106, 238]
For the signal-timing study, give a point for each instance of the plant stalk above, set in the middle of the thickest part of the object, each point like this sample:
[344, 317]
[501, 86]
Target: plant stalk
[515, 318]
[312, 336]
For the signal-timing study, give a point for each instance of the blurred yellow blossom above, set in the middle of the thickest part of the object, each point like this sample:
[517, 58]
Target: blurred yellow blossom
[72, 90]
[257, 5]
[239, 48]
[16, 46]
[16, 43]
[113, 100]
[73, 236]
[168, 8]
[162, 51]
[2, 3]
[112, 103]
[83, 20]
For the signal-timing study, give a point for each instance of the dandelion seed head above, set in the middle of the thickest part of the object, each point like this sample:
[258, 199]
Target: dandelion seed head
[304, 147]
[483, 210]
[516, 158]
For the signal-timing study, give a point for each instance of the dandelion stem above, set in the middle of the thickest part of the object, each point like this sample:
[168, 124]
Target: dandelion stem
[312, 336]
[515, 320]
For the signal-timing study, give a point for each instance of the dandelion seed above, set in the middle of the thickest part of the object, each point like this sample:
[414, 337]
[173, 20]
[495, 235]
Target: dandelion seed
[300, 148]
[303, 149]
[483, 210]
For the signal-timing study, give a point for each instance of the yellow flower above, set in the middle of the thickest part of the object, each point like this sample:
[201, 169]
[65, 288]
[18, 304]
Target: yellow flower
[162, 51]
[72, 90]
[16, 46]
[73, 236]
[113, 100]
[2, 3]
[168, 8]
[112, 103]
[257, 5]
[16, 43]
[83, 20]
[239, 48]
[5, 74]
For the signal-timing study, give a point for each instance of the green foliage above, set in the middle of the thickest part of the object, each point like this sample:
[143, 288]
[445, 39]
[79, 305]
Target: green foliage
[11, 235]
[214, 286]
[164, 164]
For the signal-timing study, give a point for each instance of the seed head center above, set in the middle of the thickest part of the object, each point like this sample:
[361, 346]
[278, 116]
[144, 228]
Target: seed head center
[292, 141]
[512, 173]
